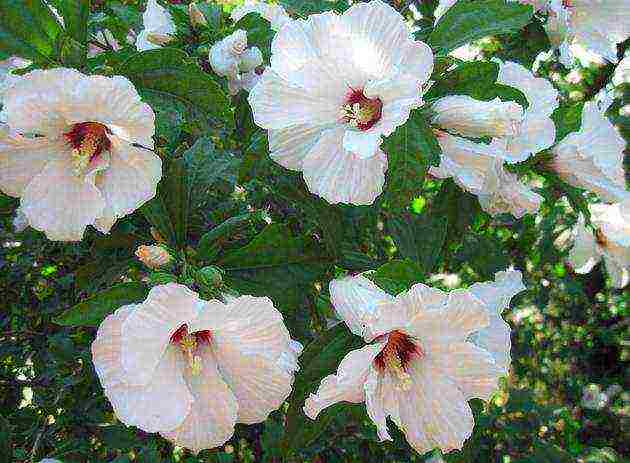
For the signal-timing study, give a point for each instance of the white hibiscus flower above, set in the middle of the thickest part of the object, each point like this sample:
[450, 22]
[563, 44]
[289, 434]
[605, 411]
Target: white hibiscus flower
[596, 26]
[610, 242]
[517, 133]
[70, 151]
[232, 59]
[429, 353]
[592, 158]
[159, 27]
[337, 85]
[191, 369]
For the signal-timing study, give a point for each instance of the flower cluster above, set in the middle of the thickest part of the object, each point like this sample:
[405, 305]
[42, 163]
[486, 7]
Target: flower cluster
[78, 150]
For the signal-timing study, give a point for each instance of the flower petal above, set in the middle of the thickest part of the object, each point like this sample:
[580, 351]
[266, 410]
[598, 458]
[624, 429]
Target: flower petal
[61, 204]
[211, 420]
[340, 176]
[471, 368]
[347, 385]
[22, 159]
[363, 144]
[358, 303]
[147, 331]
[536, 133]
[131, 179]
[540, 93]
[161, 404]
[585, 253]
[289, 147]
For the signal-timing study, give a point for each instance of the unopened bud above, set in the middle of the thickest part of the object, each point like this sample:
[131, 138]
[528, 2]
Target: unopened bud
[210, 277]
[196, 16]
[159, 39]
[153, 256]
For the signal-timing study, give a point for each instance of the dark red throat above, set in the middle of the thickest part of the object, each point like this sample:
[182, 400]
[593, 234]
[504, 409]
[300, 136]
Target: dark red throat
[203, 336]
[89, 136]
[373, 105]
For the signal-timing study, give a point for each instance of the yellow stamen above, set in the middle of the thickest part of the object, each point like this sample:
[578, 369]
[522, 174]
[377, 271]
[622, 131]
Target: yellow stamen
[188, 345]
[394, 365]
[357, 114]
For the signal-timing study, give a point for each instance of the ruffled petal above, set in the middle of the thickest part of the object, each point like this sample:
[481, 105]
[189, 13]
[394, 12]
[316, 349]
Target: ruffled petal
[540, 93]
[60, 203]
[254, 352]
[585, 253]
[358, 303]
[340, 176]
[536, 133]
[161, 404]
[22, 159]
[348, 384]
[381, 401]
[289, 147]
[211, 420]
[434, 412]
[472, 369]
[495, 298]
[147, 331]
[131, 178]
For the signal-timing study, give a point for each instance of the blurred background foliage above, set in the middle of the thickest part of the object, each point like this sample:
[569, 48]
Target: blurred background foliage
[225, 209]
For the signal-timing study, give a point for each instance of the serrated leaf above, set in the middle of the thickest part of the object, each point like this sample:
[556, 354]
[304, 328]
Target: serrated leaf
[320, 358]
[419, 238]
[276, 264]
[411, 150]
[468, 21]
[171, 72]
[93, 310]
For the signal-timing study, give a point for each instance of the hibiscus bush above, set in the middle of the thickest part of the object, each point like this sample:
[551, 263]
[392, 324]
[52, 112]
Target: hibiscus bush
[323, 231]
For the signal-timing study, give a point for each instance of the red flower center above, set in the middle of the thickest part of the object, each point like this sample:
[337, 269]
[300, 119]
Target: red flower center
[189, 343]
[396, 356]
[201, 337]
[88, 140]
[360, 111]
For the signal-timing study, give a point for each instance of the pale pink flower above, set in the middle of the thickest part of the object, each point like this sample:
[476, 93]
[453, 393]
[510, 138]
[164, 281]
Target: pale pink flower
[159, 27]
[336, 86]
[592, 158]
[274, 13]
[70, 151]
[232, 59]
[610, 242]
[191, 369]
[429, 352]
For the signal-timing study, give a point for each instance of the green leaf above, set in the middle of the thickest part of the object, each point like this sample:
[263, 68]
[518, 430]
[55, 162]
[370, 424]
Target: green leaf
[210, 243]
[29, 29]
[419, 238]
[172, 73]
[319, 359]
[175, 194]
[410, 151]
[484, 254]
[305, 8]
[475, 78]
[75, 16]
[157, 215]
[276, 264]
[397, 276]
[93, 310]
[6, 447]
[468, 21]
[206, 165]
[568, 118]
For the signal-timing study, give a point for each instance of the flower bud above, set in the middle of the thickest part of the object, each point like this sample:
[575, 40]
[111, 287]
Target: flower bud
[250, 59]
[210, 277]
[197, 18]
[153, 256]
[159, 39]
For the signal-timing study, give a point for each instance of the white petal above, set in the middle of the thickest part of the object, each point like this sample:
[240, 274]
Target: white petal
[468, 117]
[380, 401]
[585, 253]
[618, 272]
[471, 368]
[442, 8]
[252, 347]
[495, 297]
[61, 204]
[156, 17]
[147, 332]
[289, 147]
[363, 144]
[213, 413]
[131, 179]
[142, 41]
[358, 303]
[347, 385]
[453, 320]
[275, 14]
[434, 413]
[21, 159]
[340, 176]
[540, 93]
[277, 103]
[536, 133]
[161, 404]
